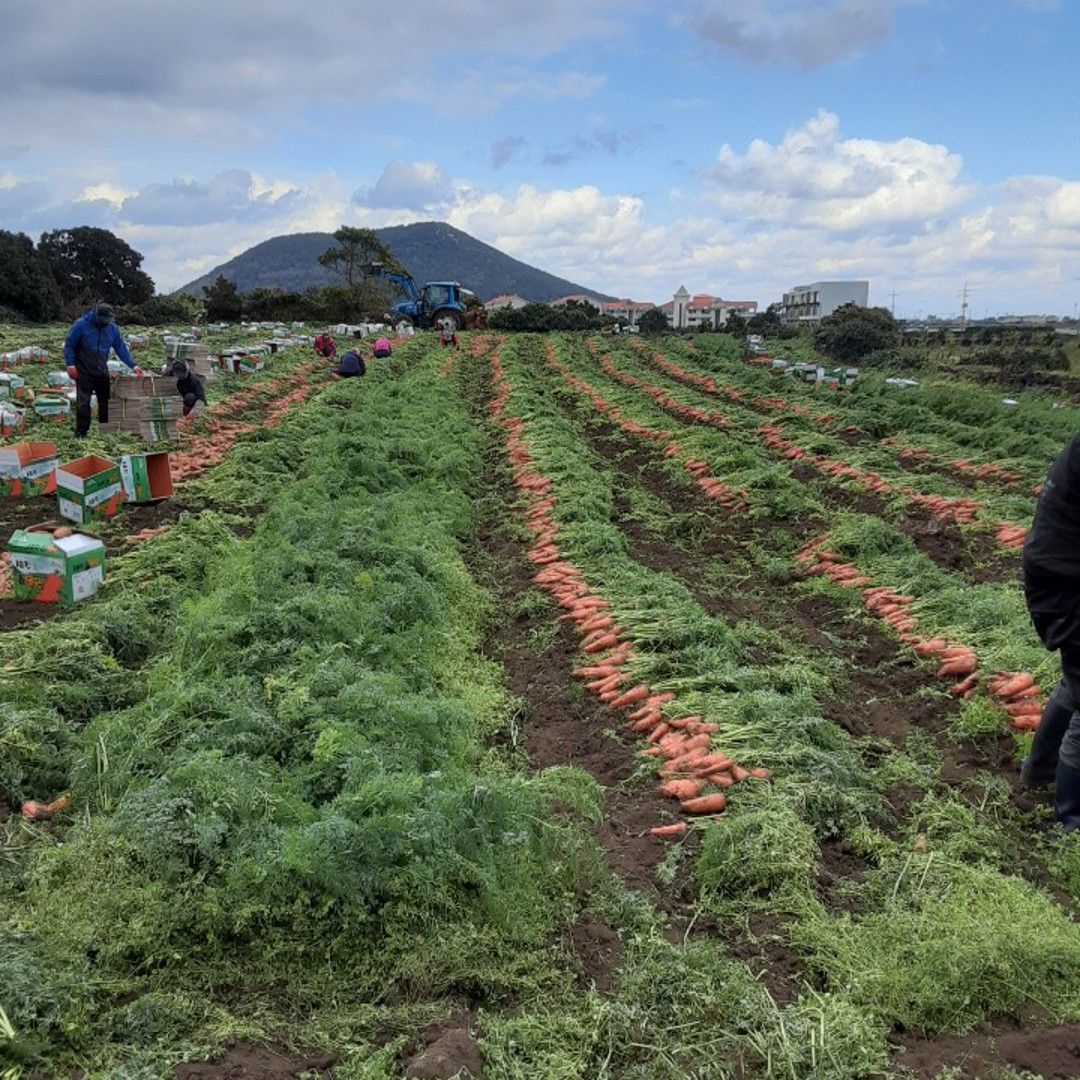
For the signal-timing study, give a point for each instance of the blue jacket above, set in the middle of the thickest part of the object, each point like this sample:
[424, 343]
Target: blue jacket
[88, 343]
[352, 363]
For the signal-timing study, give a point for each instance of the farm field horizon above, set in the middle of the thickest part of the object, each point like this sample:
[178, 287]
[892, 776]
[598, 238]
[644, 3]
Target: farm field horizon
[566, 705]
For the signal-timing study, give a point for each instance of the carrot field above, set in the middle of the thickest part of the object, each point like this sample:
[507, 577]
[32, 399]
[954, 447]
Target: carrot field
[565, 706]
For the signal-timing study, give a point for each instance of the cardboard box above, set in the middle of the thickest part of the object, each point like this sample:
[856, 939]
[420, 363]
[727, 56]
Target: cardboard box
[60, 379]
[250, 364]
[89, 489]
[153, 408]
[146, 477]
[12, 420]
[157, 430]
[52, 407]
[129, 387]
[55, 571]
[9, 384]
[28, 469]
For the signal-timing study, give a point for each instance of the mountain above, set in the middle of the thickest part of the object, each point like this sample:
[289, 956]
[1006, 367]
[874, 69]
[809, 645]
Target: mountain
[430, 250]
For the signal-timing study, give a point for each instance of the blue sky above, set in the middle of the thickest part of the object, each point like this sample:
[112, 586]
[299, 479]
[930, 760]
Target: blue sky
[738, 147]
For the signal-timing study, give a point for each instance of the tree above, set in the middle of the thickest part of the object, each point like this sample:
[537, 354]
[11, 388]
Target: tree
[735, 325]
[163, 310]
[91, 264]
[766, 323]
[653, 322]
[354, 252]
[26, 286]
[852, 332]
[223, 301]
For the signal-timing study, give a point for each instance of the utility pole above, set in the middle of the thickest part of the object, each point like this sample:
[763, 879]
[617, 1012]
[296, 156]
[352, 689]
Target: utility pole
[892, 307]
[964, 307]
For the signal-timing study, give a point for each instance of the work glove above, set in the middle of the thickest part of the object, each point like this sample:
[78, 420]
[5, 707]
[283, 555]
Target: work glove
[138, 371]
[73, 372]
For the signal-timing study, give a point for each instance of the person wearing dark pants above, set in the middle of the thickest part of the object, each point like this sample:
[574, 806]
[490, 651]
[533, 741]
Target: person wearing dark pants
[352, 364]
[86, 349]
[1052, 589]
[188, 385]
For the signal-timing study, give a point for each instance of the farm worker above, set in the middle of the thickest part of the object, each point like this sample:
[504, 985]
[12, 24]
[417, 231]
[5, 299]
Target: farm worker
[382, 348]
[86, 349]
[352, 364]
[448, 331]
[326, 346]
[1051, 564]
[188, 385]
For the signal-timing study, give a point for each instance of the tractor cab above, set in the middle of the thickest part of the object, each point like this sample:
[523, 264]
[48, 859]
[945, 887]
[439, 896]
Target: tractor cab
[438, 295]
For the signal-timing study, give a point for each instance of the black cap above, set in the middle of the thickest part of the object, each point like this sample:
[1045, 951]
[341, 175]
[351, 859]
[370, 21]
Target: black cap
[104, 313]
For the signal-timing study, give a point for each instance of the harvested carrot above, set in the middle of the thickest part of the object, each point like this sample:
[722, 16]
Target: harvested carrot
[705, 804]
[1014, 685]
[761, 773]
[963, 665]
[631, 697]
[609, 641]
[739, 774]
[669, 830]
[681, 789]
[966, 684]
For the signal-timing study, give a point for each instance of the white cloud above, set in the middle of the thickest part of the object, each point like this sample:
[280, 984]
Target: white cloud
[803, 33]
[416, 186]
[814, 177]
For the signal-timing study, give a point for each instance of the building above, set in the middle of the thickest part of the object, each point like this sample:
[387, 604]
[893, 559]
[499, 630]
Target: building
[507, 301]
[808, 303]
[628, 311]
[578, 298]
[686, 312]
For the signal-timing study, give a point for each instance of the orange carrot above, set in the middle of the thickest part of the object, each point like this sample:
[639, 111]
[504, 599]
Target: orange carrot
[761, 774]
[669, 830]
[966, 684]
[1014, 685]
[705, 804]
[607, 642]
[631, 697]
[681, 789]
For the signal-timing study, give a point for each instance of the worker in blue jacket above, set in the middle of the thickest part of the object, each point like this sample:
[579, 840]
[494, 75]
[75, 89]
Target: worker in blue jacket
[86, 350]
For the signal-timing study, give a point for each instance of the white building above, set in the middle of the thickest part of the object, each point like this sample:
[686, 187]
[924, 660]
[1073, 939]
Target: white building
[686, 312]
[506, 301]
[629, 311]
[808, 303]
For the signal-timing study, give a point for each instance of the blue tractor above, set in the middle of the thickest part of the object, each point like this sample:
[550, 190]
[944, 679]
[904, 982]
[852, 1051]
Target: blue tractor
[428, 306]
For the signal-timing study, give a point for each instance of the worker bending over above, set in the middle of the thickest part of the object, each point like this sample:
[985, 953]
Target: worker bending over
[1051, 564]
[188, 385]
[326, 346]
[352, 364]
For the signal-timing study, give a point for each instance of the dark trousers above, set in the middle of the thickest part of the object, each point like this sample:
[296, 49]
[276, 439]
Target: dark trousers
[1054, 605]
[85, 385]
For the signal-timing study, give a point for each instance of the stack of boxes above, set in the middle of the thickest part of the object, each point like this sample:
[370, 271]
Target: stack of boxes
[150, 406]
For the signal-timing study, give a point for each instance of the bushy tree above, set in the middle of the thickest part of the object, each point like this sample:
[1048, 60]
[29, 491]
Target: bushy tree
[540, 318]
[163, 310]
[735, 325]
[90, 264]
[852, 332]
[26, 286]
[274, 304]
[767, 323]
[653, 322]
[223, 301]
[354, 251]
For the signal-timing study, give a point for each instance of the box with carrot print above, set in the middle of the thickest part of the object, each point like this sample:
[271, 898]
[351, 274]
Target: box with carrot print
[89, 489]
[51, 564]
[27, 470]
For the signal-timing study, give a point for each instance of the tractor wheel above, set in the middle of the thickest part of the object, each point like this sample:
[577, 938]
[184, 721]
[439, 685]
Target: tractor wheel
[447, 313]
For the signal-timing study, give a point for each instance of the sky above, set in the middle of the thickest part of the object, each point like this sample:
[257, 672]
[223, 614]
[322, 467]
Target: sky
[737, 147]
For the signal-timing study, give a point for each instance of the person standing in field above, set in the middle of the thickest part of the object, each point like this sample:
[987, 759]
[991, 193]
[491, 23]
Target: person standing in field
[86, 352]
[1051, 564]
[448, 332]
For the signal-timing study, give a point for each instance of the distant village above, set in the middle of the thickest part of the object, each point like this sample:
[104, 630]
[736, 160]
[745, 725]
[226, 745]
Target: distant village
[801, 304]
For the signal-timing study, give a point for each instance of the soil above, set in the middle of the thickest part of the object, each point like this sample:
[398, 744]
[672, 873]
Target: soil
[1052, 1053]
[451, 1052]
[249, 1061]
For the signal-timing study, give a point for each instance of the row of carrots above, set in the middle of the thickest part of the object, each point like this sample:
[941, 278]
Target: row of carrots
[692, 772]
[713, 488]
[907, 454]
[1016, 692]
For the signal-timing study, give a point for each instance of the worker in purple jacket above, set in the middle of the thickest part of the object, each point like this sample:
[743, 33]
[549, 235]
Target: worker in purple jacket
[86, 351]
